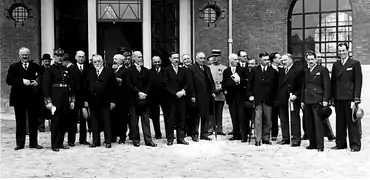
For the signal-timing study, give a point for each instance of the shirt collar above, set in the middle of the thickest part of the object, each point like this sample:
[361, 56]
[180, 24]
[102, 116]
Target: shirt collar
[345, 60]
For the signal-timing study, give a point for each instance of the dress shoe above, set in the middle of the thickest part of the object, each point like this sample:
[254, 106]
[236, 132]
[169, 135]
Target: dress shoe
[158, 137]
[210, 133]
[320, 149]
[234, 138]
[206, 138]
[84, 143]
[93, 145]
[221, 133]
[258, 143]
[108, 145]
[283, 142]
[337, 148]
[332, 138]
[273, 138]
[121, 141]
[55, 149]
[182, 142]
[295, 145]
[195, 139]
[18, 148]
[311, 147]
[355, 150]
[151, 144]
[230, 133]
[64, 147]
[244, 141]
[136, 144]
[169, 143]
[36, 146]
[266, 142]
[304, 137]
[71, 144]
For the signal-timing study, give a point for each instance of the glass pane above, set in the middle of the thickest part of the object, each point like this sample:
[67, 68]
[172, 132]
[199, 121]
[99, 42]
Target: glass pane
[298, 7]
[328, 19]
[344, 5]
[344, 19]
[297, 36]
[328, 34]
[297, 21]
[297, 50]
[130, 12]
[312, 35]
[311, 20]
[328, 5]
[344, 33]
[317, 49]
[328, 48]
[311, 6]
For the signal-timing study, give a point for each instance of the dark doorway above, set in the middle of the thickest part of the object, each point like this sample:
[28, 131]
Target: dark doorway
[112, 36]
[165, 28]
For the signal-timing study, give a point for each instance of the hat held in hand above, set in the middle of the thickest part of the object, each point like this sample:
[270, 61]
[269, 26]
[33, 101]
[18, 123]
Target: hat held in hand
[325, 112]
[357, 113]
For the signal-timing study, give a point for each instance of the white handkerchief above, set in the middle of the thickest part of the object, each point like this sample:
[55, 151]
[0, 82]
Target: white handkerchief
[53, 110]
[317, 73]
[349, 69]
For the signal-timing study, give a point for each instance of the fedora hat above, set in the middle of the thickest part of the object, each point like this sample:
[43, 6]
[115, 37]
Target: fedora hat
[46, 57]
[357, 113]
[325, 112]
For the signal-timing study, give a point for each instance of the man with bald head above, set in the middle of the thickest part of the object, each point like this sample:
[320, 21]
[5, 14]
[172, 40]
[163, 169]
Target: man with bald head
[202, 94]
[23, 77]
[138, 81]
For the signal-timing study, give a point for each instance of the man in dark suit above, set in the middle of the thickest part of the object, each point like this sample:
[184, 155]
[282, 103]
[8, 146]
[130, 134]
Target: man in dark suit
[58, 87]
[23, 77]
[157, 96]
[127, 62]
[261, 89]
[191, 110]
[45, 113]
[275, 59]
[346, 83]
[176, 86]
[290, 87]
[316, 93]
[234, 85]
[138, 81]
[202, 94]
[101, 98]
[120, 114]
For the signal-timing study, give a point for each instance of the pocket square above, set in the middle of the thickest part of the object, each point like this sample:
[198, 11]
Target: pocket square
[349, 69]
[317, 74]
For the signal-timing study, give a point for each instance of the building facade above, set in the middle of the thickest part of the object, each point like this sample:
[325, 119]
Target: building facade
[157, 27]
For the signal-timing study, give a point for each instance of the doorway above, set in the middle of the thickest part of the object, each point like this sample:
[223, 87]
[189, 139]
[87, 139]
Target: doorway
[115, 35]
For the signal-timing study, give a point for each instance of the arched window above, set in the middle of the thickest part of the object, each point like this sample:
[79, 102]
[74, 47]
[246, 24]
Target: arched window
[319, 25]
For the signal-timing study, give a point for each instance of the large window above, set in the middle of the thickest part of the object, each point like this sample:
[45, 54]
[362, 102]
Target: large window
[119, 10]
[319, 25]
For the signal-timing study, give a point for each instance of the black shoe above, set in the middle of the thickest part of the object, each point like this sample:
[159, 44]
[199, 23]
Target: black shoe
[258, 143]
[337, 148]
[71, 144]
[158, 136]
[295, 145]
[355, 150]
[304, 137]
[84, 143]
[311, 147]
[210, 133]
[244, 141]
[234, 138]
[151, 144]
[221, 133]
[55, 149]
[195, 139]
[169, 143]
[206, 138]
[283, 142]
[93, 145]
[136, 144]
[63, 147]
[36, 147]
[320, 149]
[332, 138]
[273, 138]
[121, 141]
[182, 142]
[19, 147]
[230, 133]
[108, 145]
[266, 142]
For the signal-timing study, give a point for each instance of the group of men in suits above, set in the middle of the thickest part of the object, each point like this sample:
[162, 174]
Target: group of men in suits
[191, 96]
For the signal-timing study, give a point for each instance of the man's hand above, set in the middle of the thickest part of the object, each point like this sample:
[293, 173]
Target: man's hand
[251, 98]
[213, 95]
[179, 94]
[192, 99]
[302, 106]
[142, 95]
[34, 83]
[324, 103]
[26, 82]
[357, 101]
[112, 105]
[292, 97]
[49, 106]
[119, 81]
[86, 104]
[72, 105]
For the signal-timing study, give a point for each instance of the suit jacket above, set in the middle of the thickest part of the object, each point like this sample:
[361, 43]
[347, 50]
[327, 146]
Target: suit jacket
[79, 79]
[19, 92]
[175, 82]
[263, 85]
[203, 87]
[234, 91]
[289, 83]
[316, 85]
[157, 90]
[346, 80]
[101, 91]
[137, 82]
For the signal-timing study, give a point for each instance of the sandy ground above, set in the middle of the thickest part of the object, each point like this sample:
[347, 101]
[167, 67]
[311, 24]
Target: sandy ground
[216, 159]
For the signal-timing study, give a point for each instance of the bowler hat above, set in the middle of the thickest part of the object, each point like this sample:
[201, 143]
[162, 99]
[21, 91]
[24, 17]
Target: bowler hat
[216, 52]
[46, 57]
[325, 112]
[357, 113]
[58, 51]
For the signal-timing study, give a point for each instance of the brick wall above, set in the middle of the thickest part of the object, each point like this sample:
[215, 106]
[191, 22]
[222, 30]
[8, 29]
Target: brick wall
[12, 38]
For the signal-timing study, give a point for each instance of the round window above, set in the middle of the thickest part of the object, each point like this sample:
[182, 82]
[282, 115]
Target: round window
[18, 13]
[210, 15]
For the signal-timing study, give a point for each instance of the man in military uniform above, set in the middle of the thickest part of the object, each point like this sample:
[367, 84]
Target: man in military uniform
[59, 98]
[23, 77]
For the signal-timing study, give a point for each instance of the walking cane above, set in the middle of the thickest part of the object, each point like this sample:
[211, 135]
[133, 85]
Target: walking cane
[214, 116]
[252, 124]
[290, 109]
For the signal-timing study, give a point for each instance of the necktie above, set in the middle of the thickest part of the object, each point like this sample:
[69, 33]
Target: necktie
[202, 68]
[342, 61]
[286, 71]
[233, 70]
[98, 72]
[158, 70]
[25, 66]
[81, 68]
